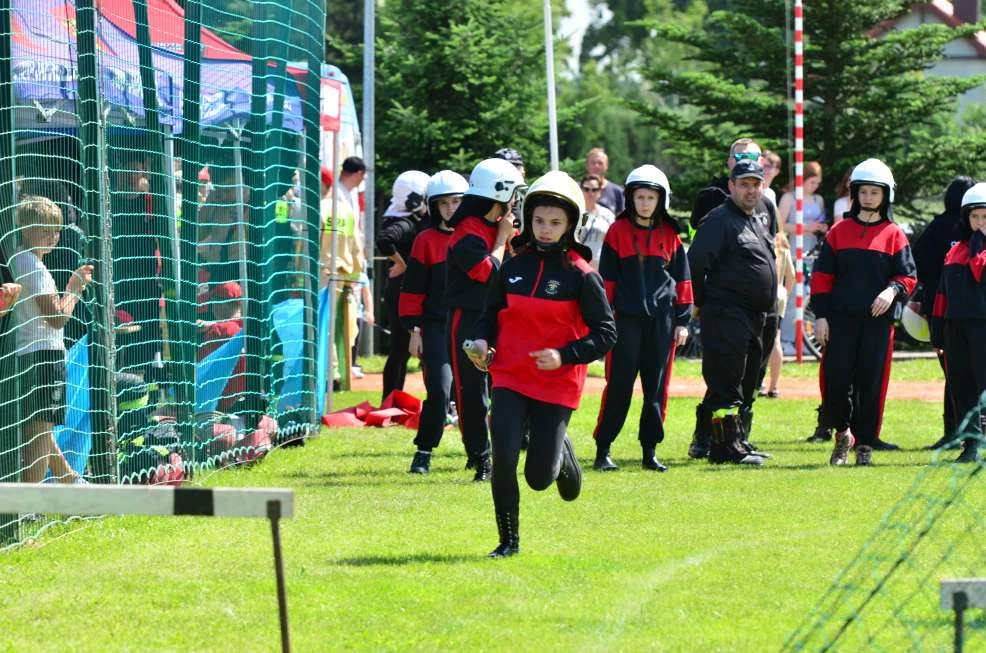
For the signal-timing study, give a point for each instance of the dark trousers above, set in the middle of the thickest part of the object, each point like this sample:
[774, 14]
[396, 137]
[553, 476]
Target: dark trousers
[395, 369]
[770, 327]
[965, 369]
[548, 425]
[472, 398]
[141, 299]
[855, 373]
[437, 373]
[948, 417]
[643, 345]
[732, 354]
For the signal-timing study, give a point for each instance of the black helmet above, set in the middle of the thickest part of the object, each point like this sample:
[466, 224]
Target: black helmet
[509, 154]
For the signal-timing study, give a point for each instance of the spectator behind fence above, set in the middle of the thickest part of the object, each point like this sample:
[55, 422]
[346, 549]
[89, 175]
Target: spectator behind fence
[135, 260]
[227, 308]
[597, 219]
[611, 193]
[40, 318]
[68, 255]
[219, 246]
[771, 169]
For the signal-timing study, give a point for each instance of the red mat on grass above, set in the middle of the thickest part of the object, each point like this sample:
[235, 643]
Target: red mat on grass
[398, 408]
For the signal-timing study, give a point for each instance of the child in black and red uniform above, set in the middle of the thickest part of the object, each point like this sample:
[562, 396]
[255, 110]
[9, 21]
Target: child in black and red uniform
[958, 323]
[647, 280]
[548, 316]
[863, 271]
[482, 224]
[423, 313]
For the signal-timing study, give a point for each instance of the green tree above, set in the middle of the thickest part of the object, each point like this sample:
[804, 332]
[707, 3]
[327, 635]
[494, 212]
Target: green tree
[866, 93]
[458, 80]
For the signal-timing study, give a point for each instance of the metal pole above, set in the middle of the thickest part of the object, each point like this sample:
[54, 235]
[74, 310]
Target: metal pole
[799, 178]
[102, 363]
[9, 440]
[274, 513]
[241, 235]
[191, 134]
[369, 134]
[960, 601]
[313, 208]
[549, 60]
[334, 304]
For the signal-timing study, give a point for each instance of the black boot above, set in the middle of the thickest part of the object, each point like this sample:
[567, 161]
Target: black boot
[421, 463]
[569, 479]
[508, 524]
[483, 469]
[727, 443]
[821, 434]
[746, 419]
[603, 462]
[702, 437]
[651, 462]
[970, 452]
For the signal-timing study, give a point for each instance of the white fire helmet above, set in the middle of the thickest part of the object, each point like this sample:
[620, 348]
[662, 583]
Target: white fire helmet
[408, 193]
[648, 176]
[559, 185]
[874, 172]
[444, 184]
[495, 179]
[974, 198]
[915, 325]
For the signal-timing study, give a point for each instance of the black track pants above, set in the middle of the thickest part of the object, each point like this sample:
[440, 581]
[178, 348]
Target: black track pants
[437, 373]
[395, 369]
[548, 425]
[770, 327]
[472, 399]
[643, 345]
[855, 373]
[949, 422]
[965, 367]
[732, 352]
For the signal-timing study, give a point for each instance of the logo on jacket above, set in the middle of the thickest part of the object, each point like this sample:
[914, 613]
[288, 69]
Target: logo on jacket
[514, 279]
[552, 287]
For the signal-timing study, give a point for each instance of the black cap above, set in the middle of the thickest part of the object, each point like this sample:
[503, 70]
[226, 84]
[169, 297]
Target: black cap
[746, 168]
[509, 154]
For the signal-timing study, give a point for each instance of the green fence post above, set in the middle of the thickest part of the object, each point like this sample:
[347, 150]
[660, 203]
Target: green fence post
[257, 132]
[9, 456]
[311, 111]
[191, 134]
[158, 187]
[97, 221]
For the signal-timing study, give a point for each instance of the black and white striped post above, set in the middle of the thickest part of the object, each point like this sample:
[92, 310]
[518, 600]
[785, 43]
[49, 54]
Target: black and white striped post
[272, 504]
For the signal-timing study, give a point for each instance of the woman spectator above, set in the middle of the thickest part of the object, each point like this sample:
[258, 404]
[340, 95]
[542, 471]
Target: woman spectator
[597, 218]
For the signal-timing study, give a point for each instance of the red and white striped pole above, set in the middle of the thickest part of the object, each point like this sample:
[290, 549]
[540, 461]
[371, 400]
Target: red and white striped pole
[799, 176]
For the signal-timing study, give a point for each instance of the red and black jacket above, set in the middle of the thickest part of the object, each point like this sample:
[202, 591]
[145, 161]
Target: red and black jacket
[539, 301]
[858, 260]
[470, 267]
[423, 290]
[961, 291]
[645, 271]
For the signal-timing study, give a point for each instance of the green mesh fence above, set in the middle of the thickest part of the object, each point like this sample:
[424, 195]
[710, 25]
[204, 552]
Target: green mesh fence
[888, 597]
[169, 152]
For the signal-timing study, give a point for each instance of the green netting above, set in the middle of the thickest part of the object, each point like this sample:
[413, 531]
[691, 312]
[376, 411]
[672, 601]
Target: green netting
[888, 597]
[173, 147]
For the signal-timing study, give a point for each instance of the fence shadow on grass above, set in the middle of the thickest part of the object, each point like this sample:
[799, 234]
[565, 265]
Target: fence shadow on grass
[399, 560]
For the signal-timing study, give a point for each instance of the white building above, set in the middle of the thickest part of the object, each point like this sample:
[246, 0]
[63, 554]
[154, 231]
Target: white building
[964, 57]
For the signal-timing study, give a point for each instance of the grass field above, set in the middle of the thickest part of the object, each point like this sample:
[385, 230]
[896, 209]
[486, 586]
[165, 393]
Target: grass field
[698, 559]
[919, 369]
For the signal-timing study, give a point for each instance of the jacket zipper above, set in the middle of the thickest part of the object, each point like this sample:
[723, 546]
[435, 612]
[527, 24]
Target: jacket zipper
[537, 279]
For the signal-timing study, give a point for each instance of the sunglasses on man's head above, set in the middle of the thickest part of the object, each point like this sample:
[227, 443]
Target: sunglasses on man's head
[590, 190]
[746, 156]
